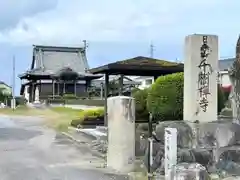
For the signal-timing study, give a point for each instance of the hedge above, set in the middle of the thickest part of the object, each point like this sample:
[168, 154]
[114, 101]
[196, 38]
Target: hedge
[165, 99]
[95, 116]
[141, 104]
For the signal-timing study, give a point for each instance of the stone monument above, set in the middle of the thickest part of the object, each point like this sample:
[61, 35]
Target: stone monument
[200, 78]
[189, 171]
[234, 75]
[170, 151]
[37, 95]
[121, 134]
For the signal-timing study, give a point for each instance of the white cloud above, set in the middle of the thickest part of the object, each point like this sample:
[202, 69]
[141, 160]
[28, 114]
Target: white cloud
[108, 20]
[12, 11]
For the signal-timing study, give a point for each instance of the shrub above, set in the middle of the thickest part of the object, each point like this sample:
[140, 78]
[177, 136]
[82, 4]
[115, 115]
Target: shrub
[98, 112]
[141, 104]
[69, 96]
[20, 100]
[88, 115]
[165, 98]
[76, 122]
[55, 101]
[68, 110]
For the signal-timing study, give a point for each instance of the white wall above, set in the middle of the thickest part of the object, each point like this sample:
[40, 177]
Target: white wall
[146, 81]
[224, 79]
[26, 93]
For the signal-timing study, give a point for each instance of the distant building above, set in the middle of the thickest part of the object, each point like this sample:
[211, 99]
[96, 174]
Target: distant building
[6, 88]
[56, 71]
[223, 78]
[224, 65]
[144, 81]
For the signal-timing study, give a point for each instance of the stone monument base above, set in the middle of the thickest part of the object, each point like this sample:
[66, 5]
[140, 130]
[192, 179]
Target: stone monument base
[121, 134]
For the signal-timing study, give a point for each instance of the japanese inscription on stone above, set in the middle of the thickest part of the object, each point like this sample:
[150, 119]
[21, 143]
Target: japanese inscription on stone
[170, 150]
[204, 74]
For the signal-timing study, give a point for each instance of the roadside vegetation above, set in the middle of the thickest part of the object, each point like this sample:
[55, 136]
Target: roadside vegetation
[164, 99]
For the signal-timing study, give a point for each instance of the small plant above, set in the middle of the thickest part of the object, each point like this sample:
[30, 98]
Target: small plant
[69, 96]
[141, 104]
[88, 115]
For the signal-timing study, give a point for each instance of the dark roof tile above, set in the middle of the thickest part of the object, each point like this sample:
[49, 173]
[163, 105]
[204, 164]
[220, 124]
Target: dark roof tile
[225, 64]
[140, 60]
[49, 58]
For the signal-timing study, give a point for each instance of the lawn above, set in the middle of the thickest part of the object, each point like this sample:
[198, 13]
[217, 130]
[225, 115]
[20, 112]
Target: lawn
[58, 118]
[62, 117]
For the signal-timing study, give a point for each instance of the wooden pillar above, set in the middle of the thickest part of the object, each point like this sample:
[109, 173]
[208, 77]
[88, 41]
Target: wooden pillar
[120, 87]
[33, 92]
[64, 90]
[75, 87]
[87, 85]
[106, 96]
[53, 89]
[101, 93]
[58, 86]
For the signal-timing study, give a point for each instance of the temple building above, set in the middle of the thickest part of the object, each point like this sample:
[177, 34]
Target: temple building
[56, 71]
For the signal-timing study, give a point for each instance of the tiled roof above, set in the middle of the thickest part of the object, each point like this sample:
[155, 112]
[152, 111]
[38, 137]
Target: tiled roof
[146, 61]
[53, 59]
[1, 82]
[225, 64]
[140, 66]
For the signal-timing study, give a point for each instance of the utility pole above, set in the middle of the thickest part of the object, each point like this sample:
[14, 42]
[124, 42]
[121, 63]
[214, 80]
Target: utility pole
[13, 102]
[151, 50]
[85, 44]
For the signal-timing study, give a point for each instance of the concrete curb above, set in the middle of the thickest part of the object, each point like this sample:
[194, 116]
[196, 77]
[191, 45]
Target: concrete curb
[95, 153]
[131, 176]
[85, 134]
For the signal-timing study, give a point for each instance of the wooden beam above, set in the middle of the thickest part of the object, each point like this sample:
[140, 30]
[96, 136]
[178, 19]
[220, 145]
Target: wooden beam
[120, 85]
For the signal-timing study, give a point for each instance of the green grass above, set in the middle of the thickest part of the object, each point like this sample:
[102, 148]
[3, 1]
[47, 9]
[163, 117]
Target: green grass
[62, 116]
[58, 118]
[20, 110]
[67, 111]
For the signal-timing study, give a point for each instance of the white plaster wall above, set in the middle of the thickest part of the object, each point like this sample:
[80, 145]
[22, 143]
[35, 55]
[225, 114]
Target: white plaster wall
[224, 78]
[26, 93]
[121, 133]
[192, 110]
[142, 80]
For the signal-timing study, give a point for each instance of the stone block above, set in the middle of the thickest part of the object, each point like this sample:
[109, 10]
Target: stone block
[185, 135]
[200, 78]
[121, 133]
[189, 171]
[218, 134]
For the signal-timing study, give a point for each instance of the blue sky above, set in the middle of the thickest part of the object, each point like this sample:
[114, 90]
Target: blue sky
[114, 29]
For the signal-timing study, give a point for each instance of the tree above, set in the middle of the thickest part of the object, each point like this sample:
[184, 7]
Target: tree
[2, 95]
